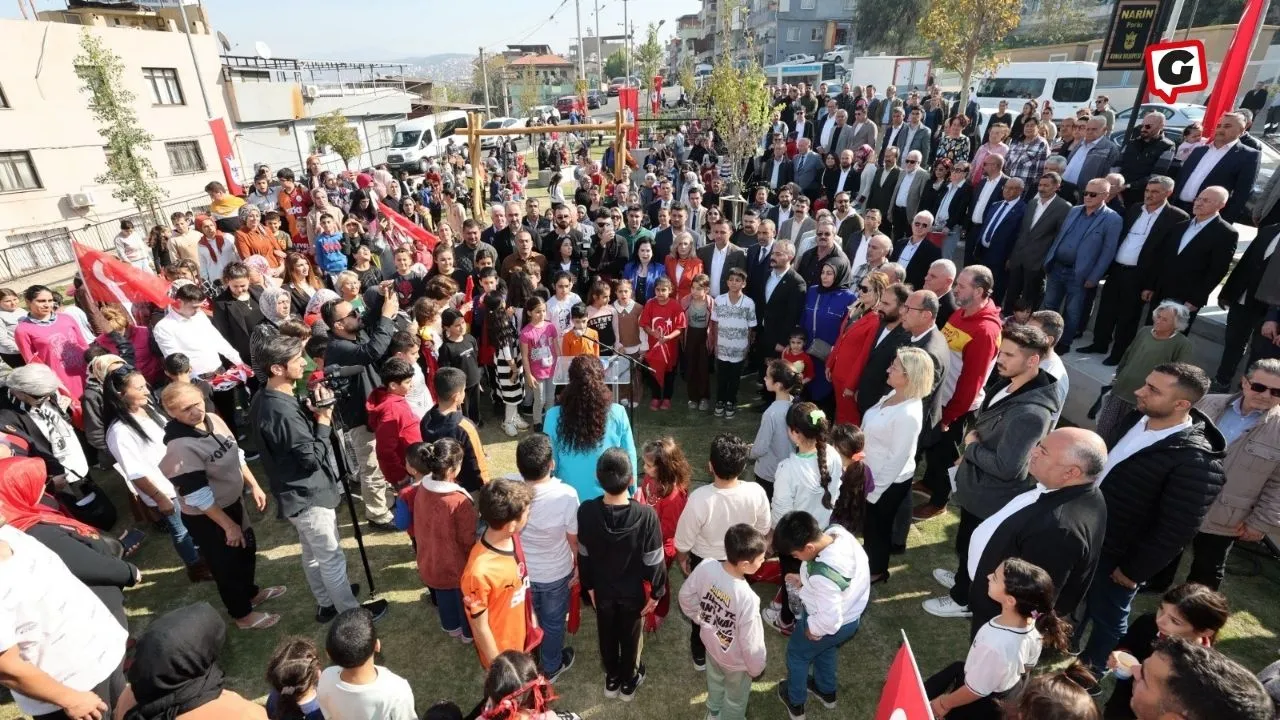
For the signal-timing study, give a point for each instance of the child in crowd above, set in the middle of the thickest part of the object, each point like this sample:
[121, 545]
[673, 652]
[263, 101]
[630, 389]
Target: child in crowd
[443, 710]
[293, 672]
[834, 586]
[460, 350]
[726, 612]
[620, 560]
[1189, 611]
[1021, 314]
[663, 320]
[1005, 649]
[712, 510]
[562, 302]
[797, 358]
[446, 420]
[515, 690]
[733, 322]
[406, 347]
[631, 341]
[430, 331]
[602, 317]
[665, 488]
[395, 427]
[538, 354]
[177, 367]
[773, 441]
[494, 583]
[697, 350]
[550, 541]
[508, 362]
[1060, 695]
[444, 528]
[580, 340]
[855, 477]
[354, 688]
[409, 282]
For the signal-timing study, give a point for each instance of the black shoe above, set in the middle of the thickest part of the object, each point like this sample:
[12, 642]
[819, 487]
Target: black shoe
[1063, 348]
[1111, 361]
[828, 700]
[566, 661]
[380, 527]
[611, 686]
[700, 663]
[875, 580]
[379, 608]
[325, 613]
[629, 688]
[251, 455]
[794, 712]
[1094, 349]
[897, 549]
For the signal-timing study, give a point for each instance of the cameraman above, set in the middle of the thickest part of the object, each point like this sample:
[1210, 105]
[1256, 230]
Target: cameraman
[298, 459]
[350, 346]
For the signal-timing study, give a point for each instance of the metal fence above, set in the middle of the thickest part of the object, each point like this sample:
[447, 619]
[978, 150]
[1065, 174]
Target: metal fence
[30, 253]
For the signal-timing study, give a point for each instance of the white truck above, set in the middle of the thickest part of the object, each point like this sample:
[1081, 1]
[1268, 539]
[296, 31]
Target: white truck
[1066, 86]
[904, 72]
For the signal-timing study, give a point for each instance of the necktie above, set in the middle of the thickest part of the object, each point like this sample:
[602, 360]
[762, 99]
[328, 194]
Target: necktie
[995, 222]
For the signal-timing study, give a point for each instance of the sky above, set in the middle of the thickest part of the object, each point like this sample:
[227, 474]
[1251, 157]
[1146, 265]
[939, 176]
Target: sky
[374, 30]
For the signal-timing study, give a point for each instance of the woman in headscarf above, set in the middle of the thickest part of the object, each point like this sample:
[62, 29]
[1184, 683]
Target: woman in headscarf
[253, 238]
[276, 307]
[864, 165]
[825, 306]
[312, 315]
[175, 673]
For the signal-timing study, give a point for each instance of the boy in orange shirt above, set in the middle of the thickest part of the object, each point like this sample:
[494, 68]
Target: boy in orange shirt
[580, 340]
[495, 585]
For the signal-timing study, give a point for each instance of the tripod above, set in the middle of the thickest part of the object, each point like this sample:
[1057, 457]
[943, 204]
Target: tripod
[345, 457]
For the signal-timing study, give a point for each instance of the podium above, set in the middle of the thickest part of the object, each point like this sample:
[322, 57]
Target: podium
[617, 371]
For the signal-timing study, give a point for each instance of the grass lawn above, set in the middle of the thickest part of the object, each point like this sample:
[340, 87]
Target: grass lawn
[441, 668]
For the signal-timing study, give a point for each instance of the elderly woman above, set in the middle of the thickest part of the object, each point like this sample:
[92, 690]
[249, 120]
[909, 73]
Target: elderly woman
[1165, 343]
[954, 144]
[995, 145]
[825, 306]
[253, 238]
[276, 307]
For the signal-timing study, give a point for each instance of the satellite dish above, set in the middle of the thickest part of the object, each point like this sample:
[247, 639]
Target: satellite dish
[224, 42]
[262, 50]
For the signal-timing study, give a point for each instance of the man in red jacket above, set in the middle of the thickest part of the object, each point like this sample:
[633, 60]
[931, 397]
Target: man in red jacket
[395, 426]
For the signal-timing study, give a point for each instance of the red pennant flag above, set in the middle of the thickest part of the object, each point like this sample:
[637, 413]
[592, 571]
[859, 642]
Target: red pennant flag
[1223, 97]
[110, 279]
[419, 234]
[903, 697]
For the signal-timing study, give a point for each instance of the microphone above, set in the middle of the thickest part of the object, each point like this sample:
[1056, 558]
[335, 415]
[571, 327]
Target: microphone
[339, 371]
[580, 333]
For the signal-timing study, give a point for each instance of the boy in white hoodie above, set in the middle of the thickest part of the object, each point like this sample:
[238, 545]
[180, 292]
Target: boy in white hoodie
[835, 583]
[719, 601]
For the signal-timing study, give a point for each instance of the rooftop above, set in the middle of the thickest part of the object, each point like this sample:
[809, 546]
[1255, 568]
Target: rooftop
[542, 61]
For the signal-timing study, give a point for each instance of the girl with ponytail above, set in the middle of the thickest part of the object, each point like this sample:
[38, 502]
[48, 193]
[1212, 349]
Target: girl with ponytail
[851, 506]
[773, 443]
[513, 690]
[1005, 649]
[293, 673]
[444, 528]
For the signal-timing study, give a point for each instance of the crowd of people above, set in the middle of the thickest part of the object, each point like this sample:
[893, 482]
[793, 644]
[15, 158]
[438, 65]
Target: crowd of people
[351, 333]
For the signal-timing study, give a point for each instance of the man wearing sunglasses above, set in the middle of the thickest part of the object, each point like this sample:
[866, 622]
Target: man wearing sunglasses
[915, 252]
[907, 192]
[1248, 507]
[1079, 256]
[1150, 153]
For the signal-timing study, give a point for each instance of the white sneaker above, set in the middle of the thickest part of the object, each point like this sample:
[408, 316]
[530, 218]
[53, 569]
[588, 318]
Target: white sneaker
[521, 424]
[945, 578]
[945, 607]
[510, 429]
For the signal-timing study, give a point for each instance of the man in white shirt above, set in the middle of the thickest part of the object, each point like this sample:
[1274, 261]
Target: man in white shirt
[1225, 162]
[719, 256]
[799, 223]
[845, 180]
[988, 193]
[828, 132]
[1051, 324]
[892, 130]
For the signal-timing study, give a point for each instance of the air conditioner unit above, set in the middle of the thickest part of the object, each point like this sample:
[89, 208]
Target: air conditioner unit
[81, 200]
[310, 92]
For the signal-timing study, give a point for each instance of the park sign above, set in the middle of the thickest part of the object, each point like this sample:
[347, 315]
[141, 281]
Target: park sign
[1133, 25]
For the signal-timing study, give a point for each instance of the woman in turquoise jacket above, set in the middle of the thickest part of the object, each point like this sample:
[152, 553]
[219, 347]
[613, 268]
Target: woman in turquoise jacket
[584, 424]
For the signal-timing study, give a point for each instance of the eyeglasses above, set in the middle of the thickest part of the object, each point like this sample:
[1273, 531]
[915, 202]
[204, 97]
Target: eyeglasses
[913, 307]
[1260, 388]
[912, 162]
[1090, 193]
[920, 224]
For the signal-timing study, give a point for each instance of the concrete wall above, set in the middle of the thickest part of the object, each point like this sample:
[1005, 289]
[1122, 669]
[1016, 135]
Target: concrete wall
[48, 117]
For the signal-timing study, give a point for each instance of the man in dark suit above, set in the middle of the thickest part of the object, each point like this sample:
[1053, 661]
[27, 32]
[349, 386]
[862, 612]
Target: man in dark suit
[1255, 99]
[1148, 154]
[803, 127]
[780, 305]
[806, 169]
[1079, 257]
[883, 183]
[988, 192]
[1239, 297]
[661, 199]
[1195, 255]
[1040, 224]
[916, 252]
[970, 109]
[1142, 239]
[848, 221]
[874, 382]
[891, 132]
[758, 259]
[1234, 166]
[776, 170]
[785, 208]
[721, 255]
[1060, 531]
[1000, 228]
[564, 226]
[915, 136]
[855, 244]
[844, 180]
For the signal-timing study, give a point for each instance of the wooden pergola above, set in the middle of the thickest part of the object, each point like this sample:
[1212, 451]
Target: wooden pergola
[473, 132]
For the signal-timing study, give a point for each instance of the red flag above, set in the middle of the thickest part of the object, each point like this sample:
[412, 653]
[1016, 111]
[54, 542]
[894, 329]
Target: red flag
[903, 697]
[110, 279]
[420, 235]
[1223, 97]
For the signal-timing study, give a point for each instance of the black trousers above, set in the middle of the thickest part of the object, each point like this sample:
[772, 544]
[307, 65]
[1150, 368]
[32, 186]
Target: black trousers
[109, 690]
[1120, 311]
[1209, 559]
[232, 567]
[1025, 284]
[939, 457]
[972, 241]
[899, 222]
[225, 402]
[968, 523]
[728, 379]
[696, 648]
[620, 628]
[877, 526]
[952, 677]
[1244, 322]
[668, 388]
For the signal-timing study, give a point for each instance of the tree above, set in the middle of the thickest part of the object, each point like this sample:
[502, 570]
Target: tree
[528, 90]
[112, 103]
[648, 57]
[333, 132]
[738, 102]
[616, 64]
[496, 64]
[965, 33]
[1059, 21]
[888, 24]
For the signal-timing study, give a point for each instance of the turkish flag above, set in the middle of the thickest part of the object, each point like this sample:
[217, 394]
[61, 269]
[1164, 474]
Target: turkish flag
[110, 279]
[420, 235]
[903, 697]
[1223, 96]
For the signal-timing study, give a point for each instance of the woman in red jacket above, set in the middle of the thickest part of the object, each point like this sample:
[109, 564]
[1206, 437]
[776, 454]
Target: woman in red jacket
[683, 265]
[666, 488]
[849, 354]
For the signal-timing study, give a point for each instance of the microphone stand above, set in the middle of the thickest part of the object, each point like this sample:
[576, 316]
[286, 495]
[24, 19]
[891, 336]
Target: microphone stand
[631, 409]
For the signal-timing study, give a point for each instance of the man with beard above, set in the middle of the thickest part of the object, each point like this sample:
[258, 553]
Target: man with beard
[524, 253]
[609, 253]
[874, 383]
[745, 236]
[465, 252]
[634, 229]
[810, 264]
[783, 211]
[665, 239]
[846, 180]
[779, 304]
[1182, 679]
[1149, 154]
[564, 224]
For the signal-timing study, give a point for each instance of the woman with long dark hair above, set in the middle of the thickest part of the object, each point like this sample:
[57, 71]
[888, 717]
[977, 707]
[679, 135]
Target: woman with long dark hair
[301, 280]
[363, 208]
[851, 506]
[585, 424]
[52, 338]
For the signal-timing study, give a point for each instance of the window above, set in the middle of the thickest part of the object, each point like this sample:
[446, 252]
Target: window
[30, 252]
[815, 34]
[784, 5]
[185, 157]
[1011, 88]
[793, 34]
[386, 133]
[311, 142]
[1057, 57]
[4, 101]
[1093, 56]
[165, 89]
[17, 172]
[808, 4]
[1072, 90]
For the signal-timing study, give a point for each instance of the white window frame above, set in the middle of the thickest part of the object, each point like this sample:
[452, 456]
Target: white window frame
[784, 5]
[166, 88]
[808, 4]
[18, 172]
[185, 157]
[1057, 57]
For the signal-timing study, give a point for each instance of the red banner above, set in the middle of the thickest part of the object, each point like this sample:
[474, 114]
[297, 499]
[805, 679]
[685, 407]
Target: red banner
[629, 101]
[227, 156]
[655, 97]
[1223, 96]
[110, 279]
[903, 697]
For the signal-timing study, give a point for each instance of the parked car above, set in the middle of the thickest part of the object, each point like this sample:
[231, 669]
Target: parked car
[595, 99]
[1176, 115]
[489, 141]
[542, 113]
[837, 54]
[616, 85]
[567, 104]
[799, 58]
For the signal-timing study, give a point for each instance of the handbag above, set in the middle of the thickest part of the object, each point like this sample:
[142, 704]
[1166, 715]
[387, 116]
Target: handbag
[819, 349]
[533, 632]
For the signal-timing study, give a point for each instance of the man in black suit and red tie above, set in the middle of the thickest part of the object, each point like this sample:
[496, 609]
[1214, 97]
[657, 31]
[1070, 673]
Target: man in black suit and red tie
[1196, 255]
[1225, 162]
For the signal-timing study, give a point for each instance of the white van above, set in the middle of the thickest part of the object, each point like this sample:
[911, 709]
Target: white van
[419, 140]
[1066, 86]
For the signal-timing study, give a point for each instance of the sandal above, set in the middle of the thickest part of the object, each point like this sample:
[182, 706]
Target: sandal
[266, 621]
[272, 593]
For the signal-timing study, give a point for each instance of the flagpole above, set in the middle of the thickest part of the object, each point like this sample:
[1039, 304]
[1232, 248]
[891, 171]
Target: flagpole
[916, 669]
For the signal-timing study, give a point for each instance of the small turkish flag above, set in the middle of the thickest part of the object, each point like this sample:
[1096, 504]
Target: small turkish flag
[903, 697]
[419, 234]
[110, 279]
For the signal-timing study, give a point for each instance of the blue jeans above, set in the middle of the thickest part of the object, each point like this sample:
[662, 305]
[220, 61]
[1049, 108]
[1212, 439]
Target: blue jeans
[452, 616]
[1107, 607]
[551, 605]
[821, 654]
[182, 541]
[1062, 285]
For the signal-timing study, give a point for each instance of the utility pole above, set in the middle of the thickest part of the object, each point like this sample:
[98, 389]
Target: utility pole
[506, 95]
[484, 73]
[599, 55]
[626, 30]
[186, 29]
